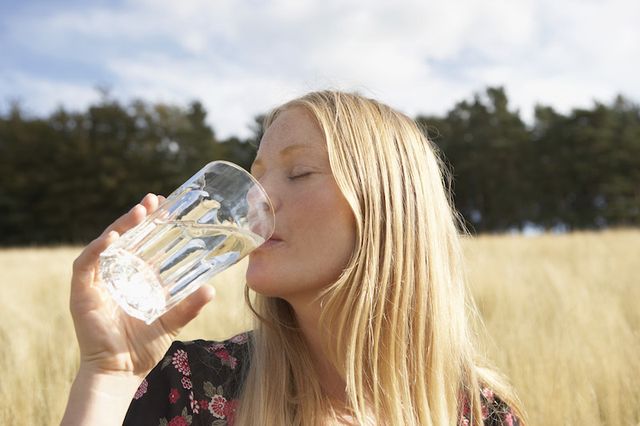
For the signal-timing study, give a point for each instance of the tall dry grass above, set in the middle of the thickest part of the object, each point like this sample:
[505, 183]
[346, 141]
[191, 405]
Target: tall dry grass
[563, 319]
[560, 313]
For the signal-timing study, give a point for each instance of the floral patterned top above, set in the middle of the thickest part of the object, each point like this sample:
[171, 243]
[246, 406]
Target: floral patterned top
[198, 383]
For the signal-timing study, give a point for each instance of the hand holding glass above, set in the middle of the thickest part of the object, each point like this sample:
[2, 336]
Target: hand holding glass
[211, 222]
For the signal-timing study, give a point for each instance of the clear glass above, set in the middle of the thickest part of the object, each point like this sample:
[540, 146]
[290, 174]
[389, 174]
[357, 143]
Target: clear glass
[211, 222]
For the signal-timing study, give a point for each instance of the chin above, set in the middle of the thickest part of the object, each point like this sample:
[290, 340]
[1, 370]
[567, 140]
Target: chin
[264, 289]
[257, 280]
[266, 284]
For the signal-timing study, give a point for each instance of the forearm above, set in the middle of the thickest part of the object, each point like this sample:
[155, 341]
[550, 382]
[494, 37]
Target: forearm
[99, 399]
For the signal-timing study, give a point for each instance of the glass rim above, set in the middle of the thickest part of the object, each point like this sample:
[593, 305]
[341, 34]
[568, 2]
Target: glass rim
[253, 179]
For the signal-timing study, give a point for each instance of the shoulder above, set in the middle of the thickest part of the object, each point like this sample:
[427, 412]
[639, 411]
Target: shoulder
[227, 357]
[495, 412]
[199, 377]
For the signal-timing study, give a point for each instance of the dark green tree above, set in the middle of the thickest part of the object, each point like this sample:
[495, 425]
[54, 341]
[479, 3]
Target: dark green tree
[588, 166]
[485, 143]
[66, 177]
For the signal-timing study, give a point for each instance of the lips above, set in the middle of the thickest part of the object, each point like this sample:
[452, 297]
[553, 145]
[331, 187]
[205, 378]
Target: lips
[271, 242]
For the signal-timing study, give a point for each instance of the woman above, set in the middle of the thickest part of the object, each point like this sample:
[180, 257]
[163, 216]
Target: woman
[360, 300]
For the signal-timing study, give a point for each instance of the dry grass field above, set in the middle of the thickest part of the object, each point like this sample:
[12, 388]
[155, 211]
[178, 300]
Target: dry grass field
[560, 312]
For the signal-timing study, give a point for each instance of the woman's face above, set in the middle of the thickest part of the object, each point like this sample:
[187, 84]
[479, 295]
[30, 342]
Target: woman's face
[314, 228]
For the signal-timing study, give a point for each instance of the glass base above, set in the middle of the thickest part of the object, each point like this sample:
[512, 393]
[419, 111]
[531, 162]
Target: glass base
[132, 284]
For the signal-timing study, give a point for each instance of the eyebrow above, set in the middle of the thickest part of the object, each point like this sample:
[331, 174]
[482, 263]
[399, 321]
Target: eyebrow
[285, 152]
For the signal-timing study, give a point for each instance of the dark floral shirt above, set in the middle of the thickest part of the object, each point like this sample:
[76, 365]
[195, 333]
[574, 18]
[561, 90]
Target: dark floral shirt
[198, 383]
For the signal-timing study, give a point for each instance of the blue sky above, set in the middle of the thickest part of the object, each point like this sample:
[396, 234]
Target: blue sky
[242, 57]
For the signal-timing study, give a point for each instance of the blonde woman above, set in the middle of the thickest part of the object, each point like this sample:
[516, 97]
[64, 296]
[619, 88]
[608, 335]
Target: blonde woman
[361, 307]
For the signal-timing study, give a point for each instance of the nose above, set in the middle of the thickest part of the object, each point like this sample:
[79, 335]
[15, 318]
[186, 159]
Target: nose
[261, 211]
[270, 189]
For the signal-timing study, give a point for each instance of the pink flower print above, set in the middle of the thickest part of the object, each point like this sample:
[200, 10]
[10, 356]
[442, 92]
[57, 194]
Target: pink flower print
[230, 411]
[226, 358]
[488, 394]
[485, 412]
[464, 403]
[174, 395]
[214, 347]
[178, 421]
[195, 407]
[181, 362]
[204, 404]
[508, 419]
[216, 406]
[142, 389]
[240, 339]
[223, 354]
[186, 382]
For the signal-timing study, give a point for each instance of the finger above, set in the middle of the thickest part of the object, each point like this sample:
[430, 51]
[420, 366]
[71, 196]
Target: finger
[150, 202]
[188, 309]
[164, 214]
[85, 264]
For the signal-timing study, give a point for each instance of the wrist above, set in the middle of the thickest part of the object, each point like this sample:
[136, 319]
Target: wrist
[100, 398]
[119, 384]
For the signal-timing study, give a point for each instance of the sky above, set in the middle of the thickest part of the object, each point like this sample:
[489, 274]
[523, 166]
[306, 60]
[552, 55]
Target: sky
[242, 57]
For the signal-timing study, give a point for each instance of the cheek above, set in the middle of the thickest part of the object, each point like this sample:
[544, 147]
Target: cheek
[329, 231]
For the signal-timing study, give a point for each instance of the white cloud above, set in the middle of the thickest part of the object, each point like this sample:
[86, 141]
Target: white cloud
[38, 95]
[242, 57]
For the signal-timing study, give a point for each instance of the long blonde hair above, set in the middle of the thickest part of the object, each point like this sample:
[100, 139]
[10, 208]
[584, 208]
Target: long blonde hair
[396, 321]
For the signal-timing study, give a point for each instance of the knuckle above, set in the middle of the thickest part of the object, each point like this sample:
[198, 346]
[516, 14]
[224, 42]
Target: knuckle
[77, 263]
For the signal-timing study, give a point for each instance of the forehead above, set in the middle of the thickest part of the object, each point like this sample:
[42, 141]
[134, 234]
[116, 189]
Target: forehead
[293, 129]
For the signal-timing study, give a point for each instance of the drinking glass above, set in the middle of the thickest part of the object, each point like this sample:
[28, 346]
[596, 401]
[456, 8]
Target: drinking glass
[206, 225]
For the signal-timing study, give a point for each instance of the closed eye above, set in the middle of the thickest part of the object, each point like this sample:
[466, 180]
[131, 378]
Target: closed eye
[299, 176]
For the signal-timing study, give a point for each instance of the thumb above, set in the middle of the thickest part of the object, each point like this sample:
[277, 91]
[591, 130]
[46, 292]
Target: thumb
[181, 314]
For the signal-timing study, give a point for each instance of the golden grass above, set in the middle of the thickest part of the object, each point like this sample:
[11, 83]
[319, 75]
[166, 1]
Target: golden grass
[561, 312]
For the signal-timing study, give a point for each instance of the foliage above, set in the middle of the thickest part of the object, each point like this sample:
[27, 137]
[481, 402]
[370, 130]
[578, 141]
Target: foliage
[66, 176]
[579, 171]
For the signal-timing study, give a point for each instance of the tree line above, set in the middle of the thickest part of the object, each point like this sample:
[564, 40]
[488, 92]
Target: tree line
[68, 175]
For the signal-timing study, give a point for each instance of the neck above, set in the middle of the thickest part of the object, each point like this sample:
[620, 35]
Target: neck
[308, 318]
